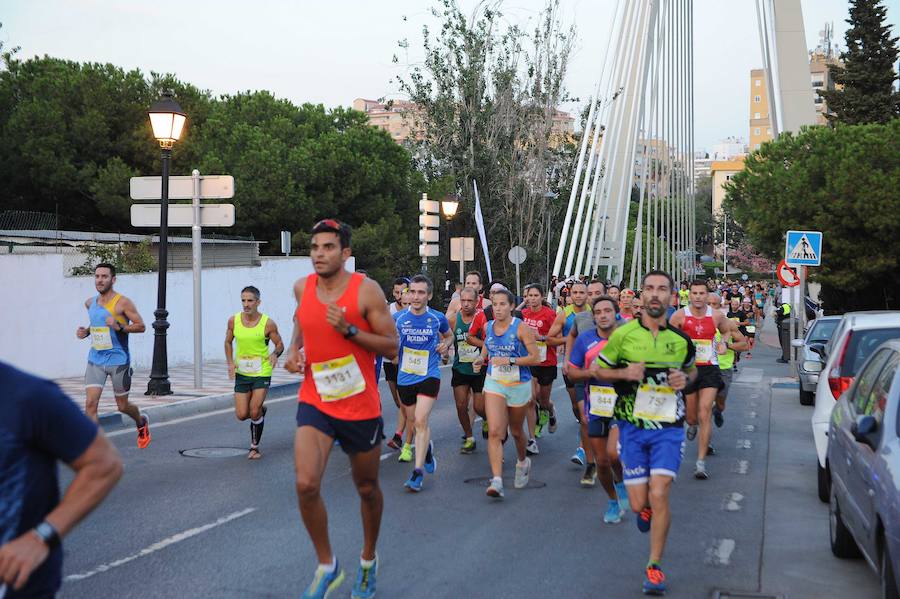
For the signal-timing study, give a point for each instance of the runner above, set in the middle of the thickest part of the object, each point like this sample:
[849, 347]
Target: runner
[465, 382]
[750, 328]
[342, 322]
[700, 322]
[684, 295]
[737, 315]
[650, 363]
[400, 292]
[626, 304]
[252, 372]
[613, 292]
[726, 366]
[539, 318]
[598, 407]
[425, 336]
[112, 318]
[509, 350]
[473, 281]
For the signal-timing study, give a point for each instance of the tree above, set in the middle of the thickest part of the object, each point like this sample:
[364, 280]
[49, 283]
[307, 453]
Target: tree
[840, 181]
[868, 73]
[705, 222]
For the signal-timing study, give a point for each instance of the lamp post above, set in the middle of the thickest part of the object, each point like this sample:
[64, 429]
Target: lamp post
[549, 196]
[167, 121]
[449, 206]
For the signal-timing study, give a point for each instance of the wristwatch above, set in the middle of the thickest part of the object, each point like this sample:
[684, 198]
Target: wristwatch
[352, 331]
[512, 361]
[48, 534]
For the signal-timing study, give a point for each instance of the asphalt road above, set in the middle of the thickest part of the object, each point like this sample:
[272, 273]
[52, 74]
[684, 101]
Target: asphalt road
[229, 528]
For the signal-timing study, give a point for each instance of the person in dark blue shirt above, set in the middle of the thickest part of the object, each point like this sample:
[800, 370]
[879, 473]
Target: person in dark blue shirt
[41, 426]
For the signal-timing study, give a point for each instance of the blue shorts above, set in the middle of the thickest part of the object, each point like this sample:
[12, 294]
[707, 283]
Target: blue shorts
[649, 452]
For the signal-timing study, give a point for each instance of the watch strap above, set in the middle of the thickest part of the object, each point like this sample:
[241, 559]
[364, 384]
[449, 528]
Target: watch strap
[48, 534]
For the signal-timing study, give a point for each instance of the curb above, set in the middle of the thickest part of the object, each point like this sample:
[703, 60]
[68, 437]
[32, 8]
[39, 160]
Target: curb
[190, 407]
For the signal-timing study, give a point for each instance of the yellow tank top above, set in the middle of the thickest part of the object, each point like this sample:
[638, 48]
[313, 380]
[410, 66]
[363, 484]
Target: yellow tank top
[252, 348]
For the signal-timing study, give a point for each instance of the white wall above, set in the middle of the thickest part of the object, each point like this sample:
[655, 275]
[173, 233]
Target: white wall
[44, 307]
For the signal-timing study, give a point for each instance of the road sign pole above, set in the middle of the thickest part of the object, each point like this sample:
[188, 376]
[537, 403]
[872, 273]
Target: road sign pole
[518, 289]
[196, 247]
[462, 268]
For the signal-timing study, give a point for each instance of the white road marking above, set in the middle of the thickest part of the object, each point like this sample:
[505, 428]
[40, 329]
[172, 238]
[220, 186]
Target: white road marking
[732, 502]
[385, 456]
[741, 467]
[744, 444]
[182, 536]
[749, 375]
[747, 428]
[719, 554]
[751, 414]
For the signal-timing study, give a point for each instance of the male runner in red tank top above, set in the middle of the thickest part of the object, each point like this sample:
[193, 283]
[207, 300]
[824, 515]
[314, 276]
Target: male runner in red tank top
[342, 322]
[701, 322]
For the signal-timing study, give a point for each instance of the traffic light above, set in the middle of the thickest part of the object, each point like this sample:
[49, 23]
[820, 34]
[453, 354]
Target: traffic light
[429, 223]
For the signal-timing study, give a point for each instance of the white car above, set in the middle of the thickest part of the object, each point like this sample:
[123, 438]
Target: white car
[857, 336]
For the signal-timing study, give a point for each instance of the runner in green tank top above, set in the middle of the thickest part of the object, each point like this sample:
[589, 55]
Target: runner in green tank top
[250, 363]
[465, 382]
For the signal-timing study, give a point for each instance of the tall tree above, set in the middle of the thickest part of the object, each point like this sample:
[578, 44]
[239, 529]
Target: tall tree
[868, 73]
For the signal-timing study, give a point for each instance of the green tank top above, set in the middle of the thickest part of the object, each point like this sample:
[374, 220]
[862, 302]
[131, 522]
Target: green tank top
[252, 348]
[465, 353]
[726, 360]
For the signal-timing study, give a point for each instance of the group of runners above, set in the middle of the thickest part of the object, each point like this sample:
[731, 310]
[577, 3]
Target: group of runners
[644, 371]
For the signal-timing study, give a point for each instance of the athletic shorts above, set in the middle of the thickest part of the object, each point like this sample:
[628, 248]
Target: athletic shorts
[409, 393]
[390, 371]
[545, 375]
[246, 384]
[708, 376]
[355, 436]
[646, 452]
[727, 376]
[516, 396]
[95, 376]
[598, 427]
[473, 381]
[570, 384]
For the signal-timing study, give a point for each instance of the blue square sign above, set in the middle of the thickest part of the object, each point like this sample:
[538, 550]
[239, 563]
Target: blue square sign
[803, 248]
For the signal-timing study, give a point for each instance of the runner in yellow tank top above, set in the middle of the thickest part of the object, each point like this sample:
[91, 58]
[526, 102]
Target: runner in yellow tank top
[250, 363]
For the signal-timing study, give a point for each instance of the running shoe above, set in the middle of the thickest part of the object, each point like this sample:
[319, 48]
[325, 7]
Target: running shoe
[364, 588]
[710, 450]
[551, 419]
[543, 419]
[523, 471]
[643, 519]
[414, 483]
[324, 583]
[718, 416]
[532, 448]
[578, 457]
[655, 584]
[614, 512]
[468, 447]
[396, 442]
[430, 460]
[622, 494]
[143, 432]
[406, 454]
[700, 472]
[484, 429]
[495, 489]
[691, 432]
[589, 478]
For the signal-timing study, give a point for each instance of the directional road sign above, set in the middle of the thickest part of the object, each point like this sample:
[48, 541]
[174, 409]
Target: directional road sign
[462, 248]
[803, 248]
[787, 275]
[182, 215]
[212, 187]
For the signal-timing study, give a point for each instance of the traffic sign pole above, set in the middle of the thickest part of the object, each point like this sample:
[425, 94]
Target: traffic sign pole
[196, 251]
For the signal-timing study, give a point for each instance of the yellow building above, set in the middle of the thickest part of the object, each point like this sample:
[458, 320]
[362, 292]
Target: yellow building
[722, 171]
[760, 123]
[397, 117]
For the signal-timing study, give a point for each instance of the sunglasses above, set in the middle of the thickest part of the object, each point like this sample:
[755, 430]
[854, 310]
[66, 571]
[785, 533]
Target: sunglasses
[328, 224]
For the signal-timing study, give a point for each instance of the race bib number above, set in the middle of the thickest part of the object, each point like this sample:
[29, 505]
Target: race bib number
[338, 379]
[656, 402]
[704, 350]
[415, 361]
[751, 328]
[505, 374]
[603, 400]
[100, 338]
[468, 353]
[249, 364]
[542, 350]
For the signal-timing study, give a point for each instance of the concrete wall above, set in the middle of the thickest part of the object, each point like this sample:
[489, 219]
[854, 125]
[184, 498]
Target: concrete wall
[44, 308]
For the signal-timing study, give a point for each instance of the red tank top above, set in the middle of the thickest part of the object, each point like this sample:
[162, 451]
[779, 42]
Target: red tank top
[541, 320]
[703, 332]
[340, 374]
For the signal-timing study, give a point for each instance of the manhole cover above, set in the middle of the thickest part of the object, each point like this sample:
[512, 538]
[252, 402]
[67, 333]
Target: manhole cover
[484, 481]
[744, 595]
[213, 452]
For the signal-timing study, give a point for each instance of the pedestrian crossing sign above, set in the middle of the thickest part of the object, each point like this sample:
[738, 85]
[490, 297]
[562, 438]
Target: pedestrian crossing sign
[803, 248]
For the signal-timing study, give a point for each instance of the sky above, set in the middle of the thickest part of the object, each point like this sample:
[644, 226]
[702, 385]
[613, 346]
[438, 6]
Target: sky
[333, 52]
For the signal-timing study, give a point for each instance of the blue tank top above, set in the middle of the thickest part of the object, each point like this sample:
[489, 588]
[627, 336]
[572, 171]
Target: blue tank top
[507, 345]
[108, 346]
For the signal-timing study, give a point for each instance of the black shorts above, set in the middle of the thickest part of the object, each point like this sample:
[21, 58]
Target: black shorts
[390, 371]
[598, 428]
[545, 375]
[473, 381]
[570, 384]
[409, 393]
[708, 376]
[355, 436]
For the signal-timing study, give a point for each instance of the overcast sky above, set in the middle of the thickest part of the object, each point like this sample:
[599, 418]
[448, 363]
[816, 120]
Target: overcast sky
[332, 52]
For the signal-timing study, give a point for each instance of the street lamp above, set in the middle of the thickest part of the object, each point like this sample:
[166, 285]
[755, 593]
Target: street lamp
[167, 120]
[449, 206]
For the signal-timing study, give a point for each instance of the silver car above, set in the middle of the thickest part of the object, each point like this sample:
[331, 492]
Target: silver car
[810, 363]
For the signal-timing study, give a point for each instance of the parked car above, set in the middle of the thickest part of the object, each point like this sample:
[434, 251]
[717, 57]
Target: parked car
[864, 458]
[809, 364]
[854, 340]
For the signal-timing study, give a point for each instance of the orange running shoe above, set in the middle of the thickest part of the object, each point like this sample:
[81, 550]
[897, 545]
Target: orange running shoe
[143, 438]
[655, 584]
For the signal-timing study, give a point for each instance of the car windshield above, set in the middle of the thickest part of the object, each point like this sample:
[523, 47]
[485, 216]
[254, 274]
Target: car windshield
[822, 330]
[862, 344]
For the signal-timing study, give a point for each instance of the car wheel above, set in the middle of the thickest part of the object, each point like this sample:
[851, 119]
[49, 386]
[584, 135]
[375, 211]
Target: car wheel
[807, 398]
[823, 481]
[842, 543]
[888, 581]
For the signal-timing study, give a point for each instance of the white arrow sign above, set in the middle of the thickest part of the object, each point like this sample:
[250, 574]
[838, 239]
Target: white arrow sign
[182, 215]
[212, 187]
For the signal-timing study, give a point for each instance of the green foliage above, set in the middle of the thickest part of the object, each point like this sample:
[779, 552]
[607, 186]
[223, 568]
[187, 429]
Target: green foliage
[840, 181]
[127, 258]
[868, 74]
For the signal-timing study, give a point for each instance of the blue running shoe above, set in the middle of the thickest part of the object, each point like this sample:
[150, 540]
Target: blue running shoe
[655, 583]
[324, 583]
[643, 519]
[614, 512]
[365, 582]
[415, 481]
[578, 457]
[430, 460]
[622, 493]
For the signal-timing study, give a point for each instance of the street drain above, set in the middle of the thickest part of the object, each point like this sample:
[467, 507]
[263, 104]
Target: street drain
[744, 595]
[484, 481]
[213, 452]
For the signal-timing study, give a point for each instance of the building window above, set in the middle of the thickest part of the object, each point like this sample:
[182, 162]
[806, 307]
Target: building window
[756, 115]
[769, 131]
[818, 83]
[758, 82]
[818, 100]
[756, 131]
[755, 146]
[756, 99]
